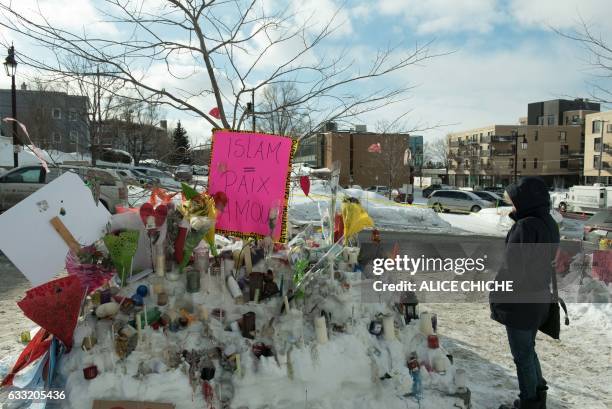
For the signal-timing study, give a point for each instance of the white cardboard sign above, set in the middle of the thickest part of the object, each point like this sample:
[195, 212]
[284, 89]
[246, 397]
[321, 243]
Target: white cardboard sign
[29, 240]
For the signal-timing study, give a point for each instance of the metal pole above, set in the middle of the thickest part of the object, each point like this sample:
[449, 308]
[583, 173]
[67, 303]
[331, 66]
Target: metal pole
[516, 157]
[601, 144]
[253, 108]
[15, 139]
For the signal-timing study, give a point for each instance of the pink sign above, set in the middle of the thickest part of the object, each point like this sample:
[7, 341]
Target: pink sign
[253, 170]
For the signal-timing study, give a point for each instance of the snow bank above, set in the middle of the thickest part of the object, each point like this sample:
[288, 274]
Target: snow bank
[385, 213]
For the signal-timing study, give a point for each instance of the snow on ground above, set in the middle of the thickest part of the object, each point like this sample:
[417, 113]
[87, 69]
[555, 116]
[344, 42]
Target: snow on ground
[385, 213]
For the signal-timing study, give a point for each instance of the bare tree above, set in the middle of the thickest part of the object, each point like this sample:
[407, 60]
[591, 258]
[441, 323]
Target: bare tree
[134, 127]
[393, 147]
[599, 52]
[436, 153]
[224, 49]
[282, 117]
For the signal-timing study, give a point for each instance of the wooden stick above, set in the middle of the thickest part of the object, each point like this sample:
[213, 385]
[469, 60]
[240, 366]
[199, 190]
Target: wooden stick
[65, 234]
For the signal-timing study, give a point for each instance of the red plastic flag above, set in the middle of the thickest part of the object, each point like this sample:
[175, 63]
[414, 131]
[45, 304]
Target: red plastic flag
[374, 148]
[215, 113]
[305, 184]
[55, 306]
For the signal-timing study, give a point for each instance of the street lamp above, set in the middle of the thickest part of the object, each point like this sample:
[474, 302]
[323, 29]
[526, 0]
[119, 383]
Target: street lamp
[10, 65]
[523, 147]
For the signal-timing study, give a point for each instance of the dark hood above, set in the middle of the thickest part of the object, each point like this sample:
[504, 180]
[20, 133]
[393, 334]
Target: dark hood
[529, 196]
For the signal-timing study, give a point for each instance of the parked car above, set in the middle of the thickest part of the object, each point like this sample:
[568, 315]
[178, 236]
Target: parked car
[381, 190]
[164, 179]
[200, 170]
[431, 188]
[495, 189]
[183, 173]
[19, 183]
[491, 197]
[597, 227]
[456, 200]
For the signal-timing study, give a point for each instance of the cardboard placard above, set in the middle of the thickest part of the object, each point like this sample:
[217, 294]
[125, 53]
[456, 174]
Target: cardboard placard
[31, 242]
[125, 404]
[253, 170]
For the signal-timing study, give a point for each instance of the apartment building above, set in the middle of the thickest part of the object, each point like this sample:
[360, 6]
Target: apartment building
[598, 153]
[54, 120]
[488, 156]
[358, 165]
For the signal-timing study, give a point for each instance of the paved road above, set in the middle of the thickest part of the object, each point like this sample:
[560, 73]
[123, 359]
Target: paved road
[12, 321]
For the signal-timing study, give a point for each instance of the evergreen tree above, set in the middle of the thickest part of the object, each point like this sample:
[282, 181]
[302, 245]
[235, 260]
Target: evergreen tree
[181, 145]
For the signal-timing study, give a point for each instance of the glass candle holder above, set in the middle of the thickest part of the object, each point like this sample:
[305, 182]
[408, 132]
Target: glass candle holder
[192, 280]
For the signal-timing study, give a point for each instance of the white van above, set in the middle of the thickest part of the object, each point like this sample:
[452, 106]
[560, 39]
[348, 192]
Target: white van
[586, 199]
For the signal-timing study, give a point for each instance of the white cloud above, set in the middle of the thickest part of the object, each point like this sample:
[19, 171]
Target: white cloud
[318, 13]
[561, 14]
[442, 16]
[476, 87]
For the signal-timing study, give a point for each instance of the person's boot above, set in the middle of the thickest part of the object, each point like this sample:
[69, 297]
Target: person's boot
[541, 396]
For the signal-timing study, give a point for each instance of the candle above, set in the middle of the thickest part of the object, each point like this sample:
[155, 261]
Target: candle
[160, 264]
[440, 363]
[460, 378]
[162, 299]
[139, 327]
[204, 313]
[238, 367]
[256, 297]
[233, 287]
[389, 328]
[425, 325]
[146, 321]
[286, 301]
[321, 329]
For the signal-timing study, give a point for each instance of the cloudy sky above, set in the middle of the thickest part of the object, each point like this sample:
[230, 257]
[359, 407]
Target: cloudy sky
[502, 54]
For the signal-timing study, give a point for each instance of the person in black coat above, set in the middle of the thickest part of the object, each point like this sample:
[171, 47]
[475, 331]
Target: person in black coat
[531, 246]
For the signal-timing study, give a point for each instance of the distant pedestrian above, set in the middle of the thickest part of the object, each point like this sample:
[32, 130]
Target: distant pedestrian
[530, 268]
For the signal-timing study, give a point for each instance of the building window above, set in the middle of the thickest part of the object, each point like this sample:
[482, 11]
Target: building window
[596, 142]
[609, 128]
[57, 137]
[596, 127]
[535, 136]
[535, 163]
[511, 163]
[563, 164]
[74, 136]
[57, 113]
[562, 136]
[72, 115]
[551, 120]
[524, 163]
[596, 160]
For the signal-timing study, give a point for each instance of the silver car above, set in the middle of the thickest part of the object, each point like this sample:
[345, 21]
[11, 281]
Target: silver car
[19, 183]
[457, 200]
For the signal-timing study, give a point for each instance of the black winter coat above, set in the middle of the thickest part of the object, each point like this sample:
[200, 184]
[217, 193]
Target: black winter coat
[531, 246]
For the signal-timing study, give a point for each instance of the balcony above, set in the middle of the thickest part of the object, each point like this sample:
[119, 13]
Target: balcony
[485, 154]
[606, 165]
[576, 153]
[505, 152]
[453, 144]
[485, 139]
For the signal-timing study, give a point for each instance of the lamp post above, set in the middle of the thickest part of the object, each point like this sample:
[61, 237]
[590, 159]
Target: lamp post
[10, 64]
[516, 146]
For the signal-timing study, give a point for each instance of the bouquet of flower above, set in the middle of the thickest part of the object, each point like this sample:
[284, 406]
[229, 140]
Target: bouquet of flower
[122, 248]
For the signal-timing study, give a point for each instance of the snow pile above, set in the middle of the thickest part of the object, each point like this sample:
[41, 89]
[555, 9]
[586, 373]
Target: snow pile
[489, 221]
[385, 213]
[353, 369]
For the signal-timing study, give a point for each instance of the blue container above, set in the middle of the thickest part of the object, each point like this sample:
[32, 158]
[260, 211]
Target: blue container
[142, 290]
